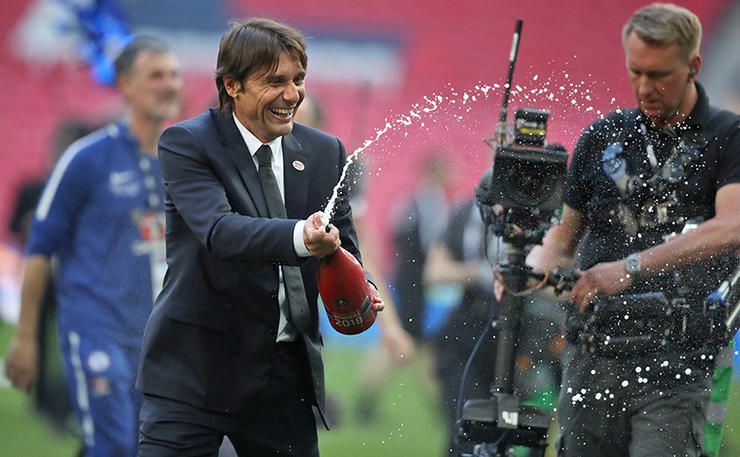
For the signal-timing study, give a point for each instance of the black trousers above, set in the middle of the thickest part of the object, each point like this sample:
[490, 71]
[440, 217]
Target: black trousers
[280, 422]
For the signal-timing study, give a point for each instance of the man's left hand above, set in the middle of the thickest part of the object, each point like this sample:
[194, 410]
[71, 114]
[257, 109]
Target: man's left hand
[376, 302]
[603, 279]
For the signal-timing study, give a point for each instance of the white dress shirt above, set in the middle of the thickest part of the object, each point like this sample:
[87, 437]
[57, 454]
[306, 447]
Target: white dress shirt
[286, 332]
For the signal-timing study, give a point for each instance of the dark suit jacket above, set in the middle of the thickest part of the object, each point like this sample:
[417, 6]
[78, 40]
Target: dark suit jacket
[211, 335]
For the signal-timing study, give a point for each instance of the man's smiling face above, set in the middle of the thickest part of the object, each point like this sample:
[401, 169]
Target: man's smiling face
[267, 101]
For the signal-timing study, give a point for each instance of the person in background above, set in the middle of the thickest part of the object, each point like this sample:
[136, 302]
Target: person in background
[398, 347]
[458, 258]
[419, 226]
[50, 391]
[97, 231]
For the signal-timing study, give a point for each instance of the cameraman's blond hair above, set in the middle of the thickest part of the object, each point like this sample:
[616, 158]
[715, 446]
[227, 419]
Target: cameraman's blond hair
[665, 24]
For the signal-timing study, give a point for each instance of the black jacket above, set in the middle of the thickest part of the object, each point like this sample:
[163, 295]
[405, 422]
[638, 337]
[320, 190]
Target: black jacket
[211, 335]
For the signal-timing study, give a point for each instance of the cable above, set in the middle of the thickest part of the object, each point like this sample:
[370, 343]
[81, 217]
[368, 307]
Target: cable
[468, 363]
[483, 334]
[532, 289]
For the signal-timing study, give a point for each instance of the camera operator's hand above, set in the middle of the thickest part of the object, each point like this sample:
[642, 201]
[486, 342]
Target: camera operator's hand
[603, 279]
[546, 257]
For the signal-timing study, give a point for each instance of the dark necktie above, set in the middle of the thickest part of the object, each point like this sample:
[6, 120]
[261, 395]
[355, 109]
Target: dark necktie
[295, 294]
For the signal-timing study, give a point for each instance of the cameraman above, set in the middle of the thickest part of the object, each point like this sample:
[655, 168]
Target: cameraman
[636, 177]
[458, 258]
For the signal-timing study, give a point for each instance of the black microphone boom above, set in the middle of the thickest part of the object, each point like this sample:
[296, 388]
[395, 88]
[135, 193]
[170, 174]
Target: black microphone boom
[501, 129]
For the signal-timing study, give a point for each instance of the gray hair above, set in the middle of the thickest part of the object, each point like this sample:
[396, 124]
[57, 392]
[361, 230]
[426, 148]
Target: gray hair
[142, 43]
[664, 24]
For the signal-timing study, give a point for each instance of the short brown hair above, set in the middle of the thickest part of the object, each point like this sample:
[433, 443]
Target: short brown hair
[666, 23]
[254, 46]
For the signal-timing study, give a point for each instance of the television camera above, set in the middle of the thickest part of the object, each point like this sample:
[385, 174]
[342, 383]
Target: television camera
[519, 197]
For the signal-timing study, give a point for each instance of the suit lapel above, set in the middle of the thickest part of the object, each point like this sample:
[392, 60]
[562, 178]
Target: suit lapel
[237, 150]
[296, 177]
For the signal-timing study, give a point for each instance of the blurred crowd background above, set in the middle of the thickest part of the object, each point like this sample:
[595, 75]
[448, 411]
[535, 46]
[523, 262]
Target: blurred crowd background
[431, 70]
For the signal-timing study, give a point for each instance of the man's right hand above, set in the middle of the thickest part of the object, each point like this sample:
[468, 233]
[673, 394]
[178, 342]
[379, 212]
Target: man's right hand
[21, 366]
[318, 241]
[559, 244]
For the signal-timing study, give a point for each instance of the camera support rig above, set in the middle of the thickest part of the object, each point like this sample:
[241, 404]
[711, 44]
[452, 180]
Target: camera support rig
[518, 198]
[501, 421]
[490, 427]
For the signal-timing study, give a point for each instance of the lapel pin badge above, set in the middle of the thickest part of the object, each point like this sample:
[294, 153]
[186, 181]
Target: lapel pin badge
[298, 165]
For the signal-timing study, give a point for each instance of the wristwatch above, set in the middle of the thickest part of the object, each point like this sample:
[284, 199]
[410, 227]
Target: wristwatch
[632, 265]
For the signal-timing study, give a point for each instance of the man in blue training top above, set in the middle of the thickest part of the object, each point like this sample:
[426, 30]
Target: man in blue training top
[101, 219]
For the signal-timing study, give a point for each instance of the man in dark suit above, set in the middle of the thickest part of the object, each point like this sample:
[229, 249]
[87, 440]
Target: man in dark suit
[233, 346]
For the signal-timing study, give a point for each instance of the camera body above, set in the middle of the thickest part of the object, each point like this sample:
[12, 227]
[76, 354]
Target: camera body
[529, 178]
[524, 186]
[528, 174]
